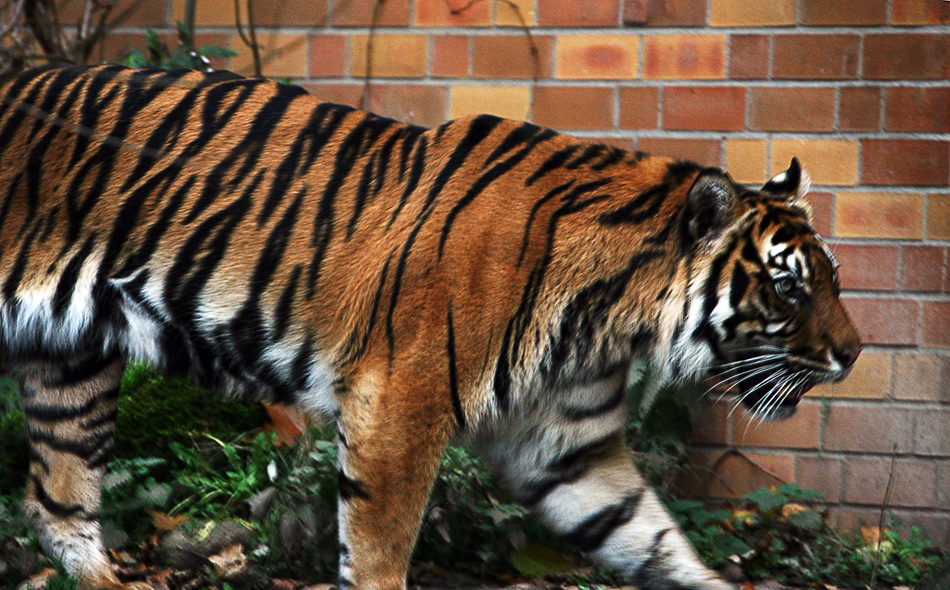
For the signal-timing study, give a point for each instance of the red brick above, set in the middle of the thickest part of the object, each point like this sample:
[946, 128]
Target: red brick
[938, 217]
[450, 56]
[884, 321]
[822, 474]
[823, 57]
[843, 12]
[742, 13]
[125, 13]
[791, 109]
[515, 13]
[917, 110]
[597, 57]
[702, 151]
[905, 162]
[704, 108]
[638, 107]
[421, 105]
[911, 482]
[906, 56]
[924, 269]
[574, 107]
[922, 377]
[348, 94]
[452, 13]
[801, 431]
[868, 267]
[936, 324]
[393, 56]
[868, 428]
[577, 13]
[510, 56]
[275, 13]
[327, 56]
[931, 433]
[670, 57]
[828, 161]
[860, 109]
[735, 475]
[880, 215]
[665, 13]
[822, 206]
[749, 57]
[919, 12]
[359, 13]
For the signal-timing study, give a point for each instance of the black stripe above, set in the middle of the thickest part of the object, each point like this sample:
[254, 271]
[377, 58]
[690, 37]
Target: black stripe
[497, 171]
[364, 134]
[592, 533]
[652, 570]
[578, 413]
[478, 131]
[80, 371]
[586, 156]
[453, 374]
[55, 413]
[567, 468]
[351, 488]
[52, 506]
[534, 211]
[738, 285]
[68, 281]
[556, 160]
[521, 134]
[284, 309]
[84, 448]
[418, 165]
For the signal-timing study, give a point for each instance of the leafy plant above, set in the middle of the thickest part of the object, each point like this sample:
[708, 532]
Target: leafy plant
[158, 55]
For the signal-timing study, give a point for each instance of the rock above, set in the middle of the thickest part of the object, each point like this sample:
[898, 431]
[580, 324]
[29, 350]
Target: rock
[732, 573]
[187, 547]
[260, 503]
[298, 529]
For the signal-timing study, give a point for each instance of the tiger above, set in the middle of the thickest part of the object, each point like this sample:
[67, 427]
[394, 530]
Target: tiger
[487, 282]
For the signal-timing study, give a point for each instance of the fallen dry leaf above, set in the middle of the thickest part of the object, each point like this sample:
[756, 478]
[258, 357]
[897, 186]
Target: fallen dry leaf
[164, 522]
[286, 422]
[230, 562]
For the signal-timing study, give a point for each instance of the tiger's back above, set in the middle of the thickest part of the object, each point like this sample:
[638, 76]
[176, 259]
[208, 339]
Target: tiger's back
[487, 279]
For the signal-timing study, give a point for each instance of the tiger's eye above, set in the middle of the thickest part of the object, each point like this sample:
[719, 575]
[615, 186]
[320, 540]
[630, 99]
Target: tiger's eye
[784, 286]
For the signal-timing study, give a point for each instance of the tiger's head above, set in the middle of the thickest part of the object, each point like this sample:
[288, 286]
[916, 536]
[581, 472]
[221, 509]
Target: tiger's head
[769, 308]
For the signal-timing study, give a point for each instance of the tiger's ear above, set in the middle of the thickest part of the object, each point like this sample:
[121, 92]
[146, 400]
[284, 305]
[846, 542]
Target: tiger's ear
[711, 204]
[791, 184]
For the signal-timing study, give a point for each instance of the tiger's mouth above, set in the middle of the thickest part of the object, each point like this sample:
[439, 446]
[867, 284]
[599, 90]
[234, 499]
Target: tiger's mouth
[770, 385]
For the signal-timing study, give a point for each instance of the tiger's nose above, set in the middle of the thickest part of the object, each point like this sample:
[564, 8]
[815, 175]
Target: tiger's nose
[846, 356]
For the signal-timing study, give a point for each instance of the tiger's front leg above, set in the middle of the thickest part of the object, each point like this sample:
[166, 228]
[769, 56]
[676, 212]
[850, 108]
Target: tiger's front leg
[70, 413]
[392, 436]
[565, 458]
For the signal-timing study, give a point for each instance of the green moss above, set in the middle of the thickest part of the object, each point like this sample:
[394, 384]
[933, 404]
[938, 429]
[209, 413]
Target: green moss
[155, 410]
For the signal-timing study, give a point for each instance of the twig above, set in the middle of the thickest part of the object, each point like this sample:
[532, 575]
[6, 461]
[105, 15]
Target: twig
[252, 30]
[880, 521]
[377, 10]
[368, 73]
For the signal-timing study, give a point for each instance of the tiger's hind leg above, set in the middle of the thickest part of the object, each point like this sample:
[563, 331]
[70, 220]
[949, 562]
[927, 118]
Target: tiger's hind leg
[567, 461]
[70, 413]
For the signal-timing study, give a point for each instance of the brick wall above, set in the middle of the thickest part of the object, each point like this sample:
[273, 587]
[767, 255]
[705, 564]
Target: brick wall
[859, 90]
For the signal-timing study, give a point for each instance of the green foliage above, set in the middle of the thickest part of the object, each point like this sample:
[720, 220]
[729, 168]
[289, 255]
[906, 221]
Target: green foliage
[470, 523]
[187, 56]
[129, 490]
[218, 478]
[155, 411]
[13, 443]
